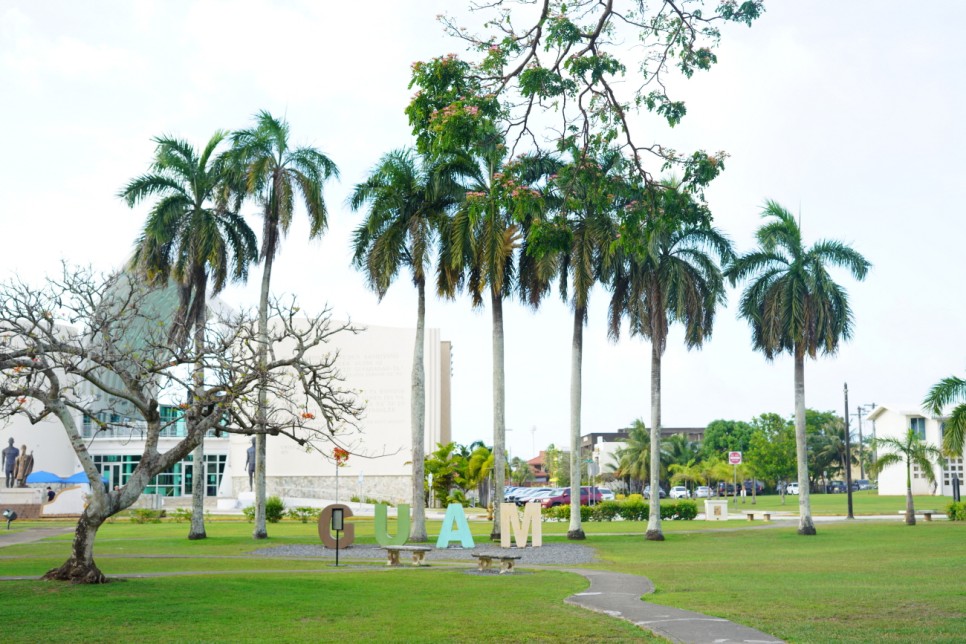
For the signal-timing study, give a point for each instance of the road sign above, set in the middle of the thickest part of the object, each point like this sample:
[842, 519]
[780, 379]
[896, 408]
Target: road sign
[734, 458]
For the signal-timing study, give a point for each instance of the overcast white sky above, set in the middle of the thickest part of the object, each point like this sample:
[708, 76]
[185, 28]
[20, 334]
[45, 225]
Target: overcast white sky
[849, 113]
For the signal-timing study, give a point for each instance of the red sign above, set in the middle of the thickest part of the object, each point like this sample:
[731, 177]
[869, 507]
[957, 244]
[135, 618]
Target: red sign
[734, 458]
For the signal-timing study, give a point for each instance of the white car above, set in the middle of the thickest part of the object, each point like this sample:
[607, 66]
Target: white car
[605, 494]
[679, 492]
[792, 488]
[703, 492]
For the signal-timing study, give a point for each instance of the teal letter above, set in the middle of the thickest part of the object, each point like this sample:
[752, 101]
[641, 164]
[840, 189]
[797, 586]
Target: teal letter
[402, 525]
[454, 513]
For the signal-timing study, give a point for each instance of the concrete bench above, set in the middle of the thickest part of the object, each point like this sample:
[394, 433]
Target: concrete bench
[765, 515]
[418, 553]
[485, 561]
[926, 514]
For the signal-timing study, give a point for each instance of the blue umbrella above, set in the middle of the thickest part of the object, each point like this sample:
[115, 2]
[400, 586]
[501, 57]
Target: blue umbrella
[81, 477]
[43, 477]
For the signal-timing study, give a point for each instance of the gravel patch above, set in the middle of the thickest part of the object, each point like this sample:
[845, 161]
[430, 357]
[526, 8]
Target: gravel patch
[551, 553]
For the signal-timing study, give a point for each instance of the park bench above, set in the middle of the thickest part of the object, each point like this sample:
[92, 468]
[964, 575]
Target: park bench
[926, 514]
[418, 553]
[765, 515]
[485, 561]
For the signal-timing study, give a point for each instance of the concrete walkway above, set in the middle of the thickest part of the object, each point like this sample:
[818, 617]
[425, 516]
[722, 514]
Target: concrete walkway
[29, 536]
[619, 595]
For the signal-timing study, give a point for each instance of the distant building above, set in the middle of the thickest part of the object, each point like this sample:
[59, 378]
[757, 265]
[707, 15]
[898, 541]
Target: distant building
[893, 422]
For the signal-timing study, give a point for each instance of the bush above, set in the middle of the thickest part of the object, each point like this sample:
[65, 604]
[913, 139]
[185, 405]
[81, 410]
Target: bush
[956, 511]
[303, 513]
[182, 514]
[274, 510]
[144, 515]
[634, 509]
[630, 510]
[605, 511]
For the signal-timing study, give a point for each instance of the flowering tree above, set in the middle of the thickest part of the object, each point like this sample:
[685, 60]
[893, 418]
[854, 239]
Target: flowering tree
[81, 345]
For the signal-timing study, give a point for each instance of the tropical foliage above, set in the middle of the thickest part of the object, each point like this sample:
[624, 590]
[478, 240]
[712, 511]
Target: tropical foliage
[911, 452]
[950, 391]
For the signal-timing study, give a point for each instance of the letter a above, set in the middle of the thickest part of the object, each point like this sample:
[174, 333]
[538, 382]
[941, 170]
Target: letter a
[454, 513]
[531, 519]
[402, 525]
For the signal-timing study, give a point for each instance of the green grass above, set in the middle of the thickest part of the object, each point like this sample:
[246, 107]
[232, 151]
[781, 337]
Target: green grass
[863, 503]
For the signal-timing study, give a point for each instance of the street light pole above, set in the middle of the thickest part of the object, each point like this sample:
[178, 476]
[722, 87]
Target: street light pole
[848, 452]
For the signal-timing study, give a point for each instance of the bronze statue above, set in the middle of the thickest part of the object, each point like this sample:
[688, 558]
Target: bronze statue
[249, 463]
[25, 465]
[10, 455]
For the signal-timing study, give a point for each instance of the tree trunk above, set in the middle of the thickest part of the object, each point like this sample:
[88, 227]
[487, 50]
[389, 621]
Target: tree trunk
[197, 529]
[417, 531]
[260, 531]
[654, 532]
[805, 525]
[576, 357]
[910, 509]
[80, 568]
[499, 411]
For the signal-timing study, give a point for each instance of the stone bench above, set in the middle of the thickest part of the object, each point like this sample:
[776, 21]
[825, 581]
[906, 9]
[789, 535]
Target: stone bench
[765, 515]
[485, 561]
[926, 514]
[418, 553]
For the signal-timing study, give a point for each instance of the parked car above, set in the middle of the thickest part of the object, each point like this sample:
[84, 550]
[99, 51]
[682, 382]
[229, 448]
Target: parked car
[606, 494]
[530, 494]
[862, 484]
[792, 488]
[835, 487]
[647, 492]
[563, 498]
[703, 492]
[680, 492]
[537, 497]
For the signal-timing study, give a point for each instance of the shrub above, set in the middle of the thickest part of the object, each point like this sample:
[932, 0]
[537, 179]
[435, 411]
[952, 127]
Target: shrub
[144, 515]
[605, 511]
[303, 513]
[182, 514]
[274, 509]
[249, 513]
[634, 509]
[635, 497]
[956, 511]
[631, 510]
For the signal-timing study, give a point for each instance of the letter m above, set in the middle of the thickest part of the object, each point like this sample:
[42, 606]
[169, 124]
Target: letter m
[510, 519]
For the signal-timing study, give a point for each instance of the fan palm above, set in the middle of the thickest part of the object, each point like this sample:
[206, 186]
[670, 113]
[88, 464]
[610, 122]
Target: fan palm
[909, 450]
[194, 238]
[274, 173]
[946, 392]
[667, 274]
[794, 306]
[479, 250]
[408, 198]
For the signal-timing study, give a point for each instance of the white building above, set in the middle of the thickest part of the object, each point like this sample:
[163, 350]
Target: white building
[377, 362]
[892, 421]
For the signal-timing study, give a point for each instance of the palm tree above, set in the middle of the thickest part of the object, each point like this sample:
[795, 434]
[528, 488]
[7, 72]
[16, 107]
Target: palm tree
[666, 276]
[573, 246]
[479, 471]
[946, 392]
[273, 172]
[479, 249]
[193, 237]
[793, 305]
[633, 458]
[909, 450]
[408, 198]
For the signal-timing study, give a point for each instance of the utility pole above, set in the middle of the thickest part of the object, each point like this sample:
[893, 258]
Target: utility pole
[848, 453]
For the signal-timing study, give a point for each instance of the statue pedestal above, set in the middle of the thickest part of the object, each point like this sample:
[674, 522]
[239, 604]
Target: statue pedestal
[246, 499]
[21, 496]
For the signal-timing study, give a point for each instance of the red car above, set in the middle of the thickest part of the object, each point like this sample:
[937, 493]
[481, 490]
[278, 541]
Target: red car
[586, 497]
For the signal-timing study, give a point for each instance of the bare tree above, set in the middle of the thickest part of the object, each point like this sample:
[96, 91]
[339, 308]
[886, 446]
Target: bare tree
[83, 344]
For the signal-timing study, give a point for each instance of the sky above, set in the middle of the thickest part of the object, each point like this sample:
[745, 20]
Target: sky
[850, 118]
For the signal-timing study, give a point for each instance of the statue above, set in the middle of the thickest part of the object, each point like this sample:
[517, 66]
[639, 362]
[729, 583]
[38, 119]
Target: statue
[25, 465]
[10, 455]
[249, 463]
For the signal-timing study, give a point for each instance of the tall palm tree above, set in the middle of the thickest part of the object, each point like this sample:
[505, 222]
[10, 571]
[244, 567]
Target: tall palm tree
[274, 172]
[668, 275]
[794, 306]
[572, 246]
[947, 392]
[479, 249]
[194, 238]
[909, 450]
[408, 198]
[633, 459]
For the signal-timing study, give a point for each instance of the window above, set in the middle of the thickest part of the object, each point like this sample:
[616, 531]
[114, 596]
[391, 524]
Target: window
[918, 425]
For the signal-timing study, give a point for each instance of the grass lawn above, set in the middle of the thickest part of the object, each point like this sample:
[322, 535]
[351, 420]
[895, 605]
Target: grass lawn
[859, 582]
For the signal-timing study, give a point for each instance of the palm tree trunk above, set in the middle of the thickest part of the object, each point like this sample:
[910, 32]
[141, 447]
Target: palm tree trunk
[261, 531]
[910, 509]
[197, 530]
[499, 411]
[575, 531]
[417, 531]
[654, 519]
[805, 525]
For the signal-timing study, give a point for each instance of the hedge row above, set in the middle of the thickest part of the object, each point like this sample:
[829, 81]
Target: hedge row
[956, 511]
[632, 510]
